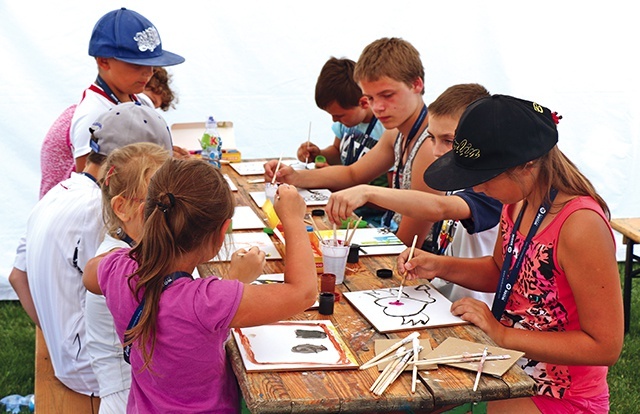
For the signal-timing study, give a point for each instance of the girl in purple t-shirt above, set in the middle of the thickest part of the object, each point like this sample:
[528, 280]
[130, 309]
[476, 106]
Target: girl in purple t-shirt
[176, 326]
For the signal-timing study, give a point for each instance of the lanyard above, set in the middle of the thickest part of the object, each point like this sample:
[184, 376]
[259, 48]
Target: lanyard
[353, 152]
[168, 280]
[106, 91]
[412, 133]
[508, 276]
[388, 215]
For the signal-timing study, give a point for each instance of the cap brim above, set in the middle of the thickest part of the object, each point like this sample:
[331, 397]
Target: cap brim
[166, 59]
[445, 175]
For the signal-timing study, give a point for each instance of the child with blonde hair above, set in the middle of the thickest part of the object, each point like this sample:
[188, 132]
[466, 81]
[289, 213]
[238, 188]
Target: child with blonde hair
[553, 265]
[126, 174]
[173, 326]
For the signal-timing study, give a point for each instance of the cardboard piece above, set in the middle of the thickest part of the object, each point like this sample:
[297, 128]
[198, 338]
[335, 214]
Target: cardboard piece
[187, 135]
[422, 306]
[456, 346]
[381, 345]
[293, 346]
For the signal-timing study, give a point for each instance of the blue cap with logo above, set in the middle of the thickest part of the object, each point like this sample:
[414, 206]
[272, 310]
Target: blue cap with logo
[128, 36]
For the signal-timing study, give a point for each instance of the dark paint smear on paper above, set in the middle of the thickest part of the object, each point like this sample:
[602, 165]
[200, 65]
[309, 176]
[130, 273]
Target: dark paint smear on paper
[308, 349]
[306, 334]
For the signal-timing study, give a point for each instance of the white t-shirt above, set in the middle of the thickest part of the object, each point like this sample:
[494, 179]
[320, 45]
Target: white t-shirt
[64, 231]
[103, 344]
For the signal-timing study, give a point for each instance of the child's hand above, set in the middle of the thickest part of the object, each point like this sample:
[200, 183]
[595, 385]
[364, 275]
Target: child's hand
[181, 153]
[286, 174]
[423, 265]
[342, 203]
[479, 314]
[308, 151]
[289, 205]
[246, 265]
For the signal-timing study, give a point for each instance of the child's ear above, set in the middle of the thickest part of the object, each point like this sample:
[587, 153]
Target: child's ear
[418, 85]
[103, 63]
[226, 226]
[363, 102]
[119, 207]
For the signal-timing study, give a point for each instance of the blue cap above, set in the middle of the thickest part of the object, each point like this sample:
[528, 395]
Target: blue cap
[128, 36]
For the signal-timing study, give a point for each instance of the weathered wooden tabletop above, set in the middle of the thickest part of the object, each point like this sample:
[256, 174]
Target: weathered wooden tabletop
[348, 390]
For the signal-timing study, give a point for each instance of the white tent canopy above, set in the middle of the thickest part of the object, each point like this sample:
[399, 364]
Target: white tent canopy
[255, 63]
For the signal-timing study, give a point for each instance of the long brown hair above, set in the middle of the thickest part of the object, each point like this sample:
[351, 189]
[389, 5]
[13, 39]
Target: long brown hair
[188, 201]
[557, 171]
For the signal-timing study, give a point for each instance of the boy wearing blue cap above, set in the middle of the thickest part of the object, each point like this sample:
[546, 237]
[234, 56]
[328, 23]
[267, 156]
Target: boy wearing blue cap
[126, 47]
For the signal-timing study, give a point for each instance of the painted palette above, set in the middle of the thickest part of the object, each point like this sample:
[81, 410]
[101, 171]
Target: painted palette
[293, 346]
[420, 306]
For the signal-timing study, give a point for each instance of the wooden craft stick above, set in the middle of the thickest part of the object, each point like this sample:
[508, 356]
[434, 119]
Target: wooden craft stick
[390, 357]
[273, 180]
[389, 350]
[413, 248]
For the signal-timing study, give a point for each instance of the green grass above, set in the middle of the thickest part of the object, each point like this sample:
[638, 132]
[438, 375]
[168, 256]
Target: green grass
[17, 347]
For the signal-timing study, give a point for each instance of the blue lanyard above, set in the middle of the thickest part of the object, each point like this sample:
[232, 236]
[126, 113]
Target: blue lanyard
[168, 280]
[509, 276]
[388, 215]
[109, 93]
[353, 153]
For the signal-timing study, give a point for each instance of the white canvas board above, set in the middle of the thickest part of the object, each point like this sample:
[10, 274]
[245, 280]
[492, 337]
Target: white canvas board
[293, 346]
[236, 241]
[311, 197]
[269, 278]
[421, 306]
[373, 241]
[255, 167]
[232, 185]
[244, 218]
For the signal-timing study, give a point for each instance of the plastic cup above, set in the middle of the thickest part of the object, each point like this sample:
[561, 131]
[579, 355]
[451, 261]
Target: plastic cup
[270, 191]
[334, 260]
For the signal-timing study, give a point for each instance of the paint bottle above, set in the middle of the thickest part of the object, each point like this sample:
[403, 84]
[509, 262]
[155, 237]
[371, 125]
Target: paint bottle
[325, 301]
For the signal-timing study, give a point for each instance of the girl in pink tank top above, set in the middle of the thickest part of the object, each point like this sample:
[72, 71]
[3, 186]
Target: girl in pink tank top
[554, 264]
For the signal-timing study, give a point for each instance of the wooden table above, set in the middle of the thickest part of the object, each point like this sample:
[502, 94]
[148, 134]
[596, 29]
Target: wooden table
[630, 230]
[348, 390]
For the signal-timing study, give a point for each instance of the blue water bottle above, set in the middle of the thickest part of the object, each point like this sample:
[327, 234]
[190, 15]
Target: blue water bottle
[211, 143]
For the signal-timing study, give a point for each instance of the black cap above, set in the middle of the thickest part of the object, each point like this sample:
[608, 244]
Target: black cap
[494, 134]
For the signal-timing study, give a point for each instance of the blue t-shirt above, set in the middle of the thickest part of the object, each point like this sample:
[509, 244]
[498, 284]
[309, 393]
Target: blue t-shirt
[354, 142]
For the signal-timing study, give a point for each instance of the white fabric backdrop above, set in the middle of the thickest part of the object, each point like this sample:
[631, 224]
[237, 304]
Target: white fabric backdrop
[255, 63]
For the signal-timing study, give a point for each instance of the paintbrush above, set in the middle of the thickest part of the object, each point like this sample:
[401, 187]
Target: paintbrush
[273, 180]
[414, 373]
[306, 160]
[459, 359]
[480, 367]
[389, 350]
[396, 358]
[353, 232]
[413, 247]
[395, 373]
